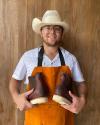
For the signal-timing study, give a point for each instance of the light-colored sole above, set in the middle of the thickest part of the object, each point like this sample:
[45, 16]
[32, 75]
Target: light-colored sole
[39, 100]
[61, 100]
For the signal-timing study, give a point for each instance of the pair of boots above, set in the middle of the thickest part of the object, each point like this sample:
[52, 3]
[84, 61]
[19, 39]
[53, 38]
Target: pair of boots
[41, 91]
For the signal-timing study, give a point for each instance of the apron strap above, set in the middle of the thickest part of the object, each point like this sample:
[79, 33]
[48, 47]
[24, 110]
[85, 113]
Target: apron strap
[61, 57]
[40, 57]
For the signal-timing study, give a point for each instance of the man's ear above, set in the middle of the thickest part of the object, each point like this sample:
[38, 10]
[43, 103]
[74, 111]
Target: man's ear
[62, 35]
[41, 33]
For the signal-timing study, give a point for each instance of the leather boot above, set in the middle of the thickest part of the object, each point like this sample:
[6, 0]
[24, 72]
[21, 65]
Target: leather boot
[61, 94]
[40, 89]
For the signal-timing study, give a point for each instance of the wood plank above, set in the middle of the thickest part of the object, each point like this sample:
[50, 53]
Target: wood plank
[17, 36]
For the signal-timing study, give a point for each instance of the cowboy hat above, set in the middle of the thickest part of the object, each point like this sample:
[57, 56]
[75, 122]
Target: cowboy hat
[50, 17]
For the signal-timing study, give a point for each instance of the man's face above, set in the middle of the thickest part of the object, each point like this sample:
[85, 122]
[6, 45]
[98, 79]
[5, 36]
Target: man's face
[52, 35]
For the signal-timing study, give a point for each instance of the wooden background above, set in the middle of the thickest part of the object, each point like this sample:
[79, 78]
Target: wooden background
[16, 36]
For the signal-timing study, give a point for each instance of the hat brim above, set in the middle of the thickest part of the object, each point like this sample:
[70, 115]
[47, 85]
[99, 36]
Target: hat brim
[38, 24]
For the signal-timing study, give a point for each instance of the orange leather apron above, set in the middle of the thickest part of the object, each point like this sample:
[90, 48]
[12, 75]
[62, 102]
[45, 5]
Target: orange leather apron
[50, 113]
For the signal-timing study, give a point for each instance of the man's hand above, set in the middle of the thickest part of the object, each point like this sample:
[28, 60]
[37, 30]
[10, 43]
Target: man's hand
[22, 102]
[77, 103]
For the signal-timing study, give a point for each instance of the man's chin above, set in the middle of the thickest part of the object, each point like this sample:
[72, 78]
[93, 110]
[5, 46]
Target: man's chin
[52, 44]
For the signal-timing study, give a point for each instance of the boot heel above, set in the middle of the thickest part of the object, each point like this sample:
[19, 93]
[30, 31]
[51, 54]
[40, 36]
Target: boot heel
[39, 100]
[61, 100]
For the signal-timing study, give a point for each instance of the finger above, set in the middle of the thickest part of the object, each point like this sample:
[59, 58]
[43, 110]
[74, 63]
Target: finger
[70, 109]
[28, 92]
[65, 106]
[71, 94]
[28, 104]
[21, 109]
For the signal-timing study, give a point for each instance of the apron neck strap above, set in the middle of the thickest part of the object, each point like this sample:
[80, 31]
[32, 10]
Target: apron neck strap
[40, 57]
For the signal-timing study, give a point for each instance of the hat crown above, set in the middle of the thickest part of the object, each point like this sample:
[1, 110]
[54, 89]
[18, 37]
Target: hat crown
[51, 16]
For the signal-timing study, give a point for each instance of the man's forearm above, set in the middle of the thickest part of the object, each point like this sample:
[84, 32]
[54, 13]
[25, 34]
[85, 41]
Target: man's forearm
[82, 91]
[14, 88]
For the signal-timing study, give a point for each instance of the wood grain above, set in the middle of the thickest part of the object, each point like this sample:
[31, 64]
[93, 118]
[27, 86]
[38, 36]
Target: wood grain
[83, 40]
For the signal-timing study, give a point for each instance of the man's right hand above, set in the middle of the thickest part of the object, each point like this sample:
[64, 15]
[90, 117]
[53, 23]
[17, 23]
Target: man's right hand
[22, 102]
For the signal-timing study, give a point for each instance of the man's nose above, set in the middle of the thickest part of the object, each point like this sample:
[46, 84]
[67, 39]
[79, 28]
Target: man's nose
[52, 29]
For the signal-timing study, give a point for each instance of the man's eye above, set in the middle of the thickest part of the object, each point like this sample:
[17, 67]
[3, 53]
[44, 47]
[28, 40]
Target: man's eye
[48, 28]
[57, 28]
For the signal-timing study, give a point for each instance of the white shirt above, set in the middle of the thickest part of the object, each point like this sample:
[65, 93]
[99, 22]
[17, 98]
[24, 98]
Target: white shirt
[29, 61]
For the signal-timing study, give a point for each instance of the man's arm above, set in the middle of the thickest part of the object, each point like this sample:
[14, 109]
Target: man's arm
[14, 88]
[19, 99]
[82, 89]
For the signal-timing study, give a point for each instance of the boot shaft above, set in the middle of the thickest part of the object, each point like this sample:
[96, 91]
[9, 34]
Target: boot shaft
[62, 88]
[40, 88]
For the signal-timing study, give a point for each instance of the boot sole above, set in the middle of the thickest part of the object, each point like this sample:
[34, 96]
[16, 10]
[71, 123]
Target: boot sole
[61, 100]
[39, 100]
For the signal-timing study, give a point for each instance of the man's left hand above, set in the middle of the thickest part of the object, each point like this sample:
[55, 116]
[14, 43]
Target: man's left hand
[77, 103]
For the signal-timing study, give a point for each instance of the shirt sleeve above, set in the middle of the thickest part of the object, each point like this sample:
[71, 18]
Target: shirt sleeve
[20, 70]
[76, 72]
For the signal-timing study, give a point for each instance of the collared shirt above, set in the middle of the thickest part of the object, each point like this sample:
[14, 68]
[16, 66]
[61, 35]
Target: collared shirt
[29, 61]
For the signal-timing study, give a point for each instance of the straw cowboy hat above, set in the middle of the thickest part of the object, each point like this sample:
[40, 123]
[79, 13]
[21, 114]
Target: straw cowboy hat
[50, 17]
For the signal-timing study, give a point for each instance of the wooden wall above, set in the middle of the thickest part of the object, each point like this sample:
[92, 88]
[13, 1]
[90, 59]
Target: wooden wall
[16, 36]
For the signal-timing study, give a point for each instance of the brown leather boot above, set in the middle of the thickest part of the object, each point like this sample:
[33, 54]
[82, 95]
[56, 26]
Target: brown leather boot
[39, 94]
[61, 94]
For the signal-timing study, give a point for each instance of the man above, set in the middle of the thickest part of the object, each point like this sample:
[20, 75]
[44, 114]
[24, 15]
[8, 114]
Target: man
[51, 60]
